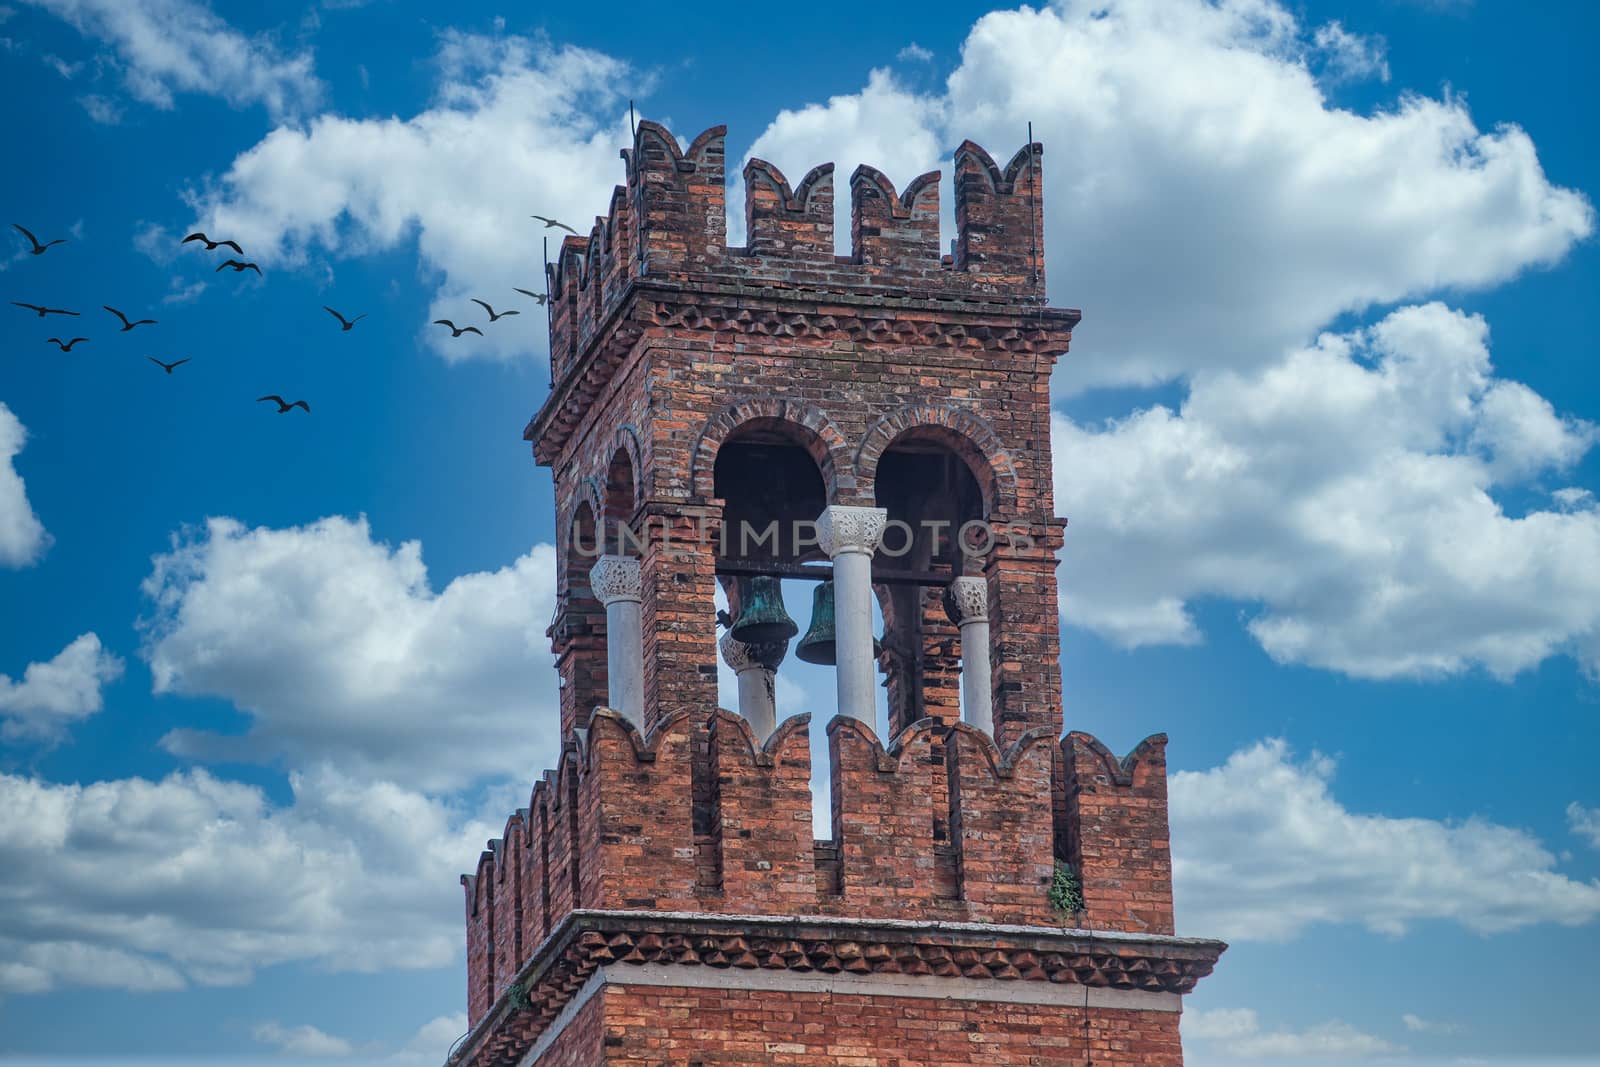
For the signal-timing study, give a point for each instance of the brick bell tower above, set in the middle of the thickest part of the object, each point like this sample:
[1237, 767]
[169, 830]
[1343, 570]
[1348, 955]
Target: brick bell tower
[878, 426]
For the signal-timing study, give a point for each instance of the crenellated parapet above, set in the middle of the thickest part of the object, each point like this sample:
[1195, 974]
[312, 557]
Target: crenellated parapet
[941, 824]
[1000, 217]
[668, 225]
[1116, 825]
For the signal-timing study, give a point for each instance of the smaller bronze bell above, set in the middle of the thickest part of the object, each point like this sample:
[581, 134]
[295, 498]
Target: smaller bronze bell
[762, 619]
[818, 645]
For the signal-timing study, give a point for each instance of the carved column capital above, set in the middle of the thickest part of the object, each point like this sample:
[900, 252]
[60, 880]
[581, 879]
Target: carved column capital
[616, 578]
[967, 600]
[742, 655]
[842, 529]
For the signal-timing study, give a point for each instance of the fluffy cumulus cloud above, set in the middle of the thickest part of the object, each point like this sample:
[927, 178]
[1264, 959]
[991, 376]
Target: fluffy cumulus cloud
[1206, 204]
[430, 1045]
[167, 47]
[1263, 849]
[52, 695]
[1238, 1032]
[338, 649]
[154, 885]
[1349, 490]
[518, 128]
[885, 125]
[1585, 822]
[301, 1040]
[1212, 208]
[22, 537]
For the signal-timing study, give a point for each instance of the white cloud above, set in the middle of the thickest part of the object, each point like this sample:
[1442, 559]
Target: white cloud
[1205, 205]
[182, 291]
[1348, 491]
[68, 71]
[1209, 207]
[914, 53]
[1418, 1025]
[22, 537]
[101, 109]
[1263, 849]
[430, 1044]
[53, 695]
[1238, 1031]
[1585, 822]
[301, 1040]
[339, 649]
[180, 46]
[433, 1040]
[145, 885]
[518, 127]
[885, 125]
[1348, 56]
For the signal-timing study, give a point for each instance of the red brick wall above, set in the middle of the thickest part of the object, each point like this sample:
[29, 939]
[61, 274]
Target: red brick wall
[1117, 833]
[764, 800]
[687, 1027]
[624, 810]
[1003, 828]
[582, 1043]
[480, 937]
[509, 900]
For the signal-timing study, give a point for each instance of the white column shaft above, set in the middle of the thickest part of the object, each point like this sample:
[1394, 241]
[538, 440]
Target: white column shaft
[756, 701]
[977, 689]
[625, 659]
[616, 582]
[852, 611]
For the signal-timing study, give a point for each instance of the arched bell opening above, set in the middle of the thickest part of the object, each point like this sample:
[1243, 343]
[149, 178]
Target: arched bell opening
[772, 491]
[578, 632]
[620, 501]
[935, 501]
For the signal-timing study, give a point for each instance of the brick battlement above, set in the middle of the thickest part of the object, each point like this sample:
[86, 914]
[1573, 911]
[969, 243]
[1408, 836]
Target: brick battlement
[668, 224]
[940, 826]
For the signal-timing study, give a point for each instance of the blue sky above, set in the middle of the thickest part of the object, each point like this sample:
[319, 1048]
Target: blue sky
[1326, 440]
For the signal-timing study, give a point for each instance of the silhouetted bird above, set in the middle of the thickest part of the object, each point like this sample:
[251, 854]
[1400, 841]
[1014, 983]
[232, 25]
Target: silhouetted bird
[238, 268]
[548, 223]
[346, 323]
[178, 363]
[126, 325]
[282, 406]
[37, 249]
[492, 316]
[540, 298]
[43, 311]
[456, 331]
[66, 346]
[212, 246]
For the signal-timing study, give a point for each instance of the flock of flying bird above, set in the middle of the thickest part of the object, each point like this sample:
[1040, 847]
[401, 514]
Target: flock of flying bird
[239, 266]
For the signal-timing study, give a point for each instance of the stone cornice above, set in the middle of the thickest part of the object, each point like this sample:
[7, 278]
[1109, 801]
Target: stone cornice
[865, 315]
[978, 952]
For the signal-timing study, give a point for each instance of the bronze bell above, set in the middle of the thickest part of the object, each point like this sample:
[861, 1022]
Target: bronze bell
[762, 619]
[818, 645]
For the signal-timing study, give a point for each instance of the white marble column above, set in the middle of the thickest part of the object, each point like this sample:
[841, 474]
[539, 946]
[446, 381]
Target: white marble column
[756, 666]
[850, 536]
[967, 602]
[615, 581]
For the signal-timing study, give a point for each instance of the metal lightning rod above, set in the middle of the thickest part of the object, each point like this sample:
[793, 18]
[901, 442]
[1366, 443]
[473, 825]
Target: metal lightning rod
[1033, 214]
[547, 314]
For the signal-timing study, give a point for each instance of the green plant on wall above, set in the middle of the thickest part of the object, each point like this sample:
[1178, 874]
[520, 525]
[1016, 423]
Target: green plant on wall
[1066, 892]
